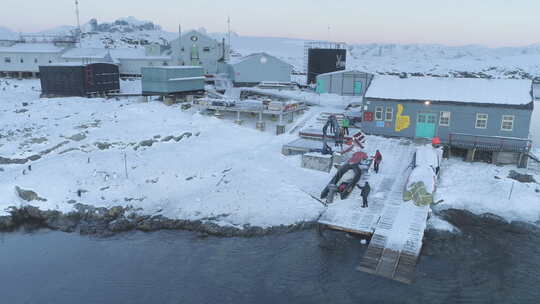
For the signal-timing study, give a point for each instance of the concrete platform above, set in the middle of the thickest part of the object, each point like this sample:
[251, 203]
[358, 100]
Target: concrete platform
[317, 161]
[301, 146]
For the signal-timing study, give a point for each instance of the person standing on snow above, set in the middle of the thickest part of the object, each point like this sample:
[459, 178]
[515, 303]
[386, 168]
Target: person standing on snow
[377, 161]
[345, 123]
[365, 193]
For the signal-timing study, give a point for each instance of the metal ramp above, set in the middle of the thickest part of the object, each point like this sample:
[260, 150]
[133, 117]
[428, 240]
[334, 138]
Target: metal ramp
[396, 244]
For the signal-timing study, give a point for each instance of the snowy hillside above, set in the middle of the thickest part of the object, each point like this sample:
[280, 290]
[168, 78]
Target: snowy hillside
[123, 32]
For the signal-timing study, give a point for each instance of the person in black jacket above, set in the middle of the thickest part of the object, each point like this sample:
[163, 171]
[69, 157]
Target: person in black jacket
[365, 193]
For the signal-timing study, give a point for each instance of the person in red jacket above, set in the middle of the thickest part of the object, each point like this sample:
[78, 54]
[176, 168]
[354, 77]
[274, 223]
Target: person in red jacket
[377, 161]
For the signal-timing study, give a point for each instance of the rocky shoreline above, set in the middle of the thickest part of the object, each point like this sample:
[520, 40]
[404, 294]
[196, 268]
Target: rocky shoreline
[100, 221]
[89, 220]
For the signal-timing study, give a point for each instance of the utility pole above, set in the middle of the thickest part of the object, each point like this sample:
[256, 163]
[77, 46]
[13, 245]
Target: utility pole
[329, 33]
[78, 21]
[180, 55]
[229, 31]
[125, 163]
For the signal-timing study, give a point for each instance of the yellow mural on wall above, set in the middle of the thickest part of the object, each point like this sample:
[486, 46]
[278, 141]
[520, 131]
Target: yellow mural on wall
[402, 121]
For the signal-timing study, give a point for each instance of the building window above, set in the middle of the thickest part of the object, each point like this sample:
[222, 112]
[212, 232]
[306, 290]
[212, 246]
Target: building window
[22, 60]
[7, 59]
[35, 60]
[444, 119]
[182, 49]
[507, 123]
[389, 114]
[481, 121]
[50, 61]
[206, 49]
[379, 113]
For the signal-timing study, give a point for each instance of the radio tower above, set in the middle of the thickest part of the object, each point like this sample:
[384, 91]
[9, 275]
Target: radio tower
[78, 21]
[229, 32]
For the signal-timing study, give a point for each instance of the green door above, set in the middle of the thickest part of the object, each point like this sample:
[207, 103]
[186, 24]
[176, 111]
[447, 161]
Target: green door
[195, 55]
[321, 86]
[425, 125]
[357, 88]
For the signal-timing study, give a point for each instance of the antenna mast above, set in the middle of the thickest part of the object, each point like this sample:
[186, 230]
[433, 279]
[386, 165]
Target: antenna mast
[78, 21]
[180, 55]
[229, 31]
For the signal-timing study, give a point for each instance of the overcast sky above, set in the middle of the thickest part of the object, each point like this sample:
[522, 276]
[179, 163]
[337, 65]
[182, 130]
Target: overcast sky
[450, 22]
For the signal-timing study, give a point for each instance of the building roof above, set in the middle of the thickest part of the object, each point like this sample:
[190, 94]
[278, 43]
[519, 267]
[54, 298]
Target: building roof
[116, 54]
[31, 48]
[176, 67]
[444, 89]
[189, 33]
[134, 53]
[83, 53]
[343, 72]
[250, 56]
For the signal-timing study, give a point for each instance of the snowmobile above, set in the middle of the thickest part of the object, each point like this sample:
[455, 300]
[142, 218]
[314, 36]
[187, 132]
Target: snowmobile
[346, 178]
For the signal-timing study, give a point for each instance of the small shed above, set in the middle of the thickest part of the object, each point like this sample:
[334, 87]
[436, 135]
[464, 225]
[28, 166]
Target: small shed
[79, 79]
[172, 80]
[345, 83]
[536, 89]
[255, 68]
[482, 117]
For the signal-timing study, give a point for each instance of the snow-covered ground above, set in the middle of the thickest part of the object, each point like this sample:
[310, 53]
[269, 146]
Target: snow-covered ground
[185, 165]
[232, 174]
[482, 188]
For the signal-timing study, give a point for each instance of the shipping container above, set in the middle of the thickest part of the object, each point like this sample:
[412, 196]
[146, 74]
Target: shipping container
[172, 80]
[79, 80]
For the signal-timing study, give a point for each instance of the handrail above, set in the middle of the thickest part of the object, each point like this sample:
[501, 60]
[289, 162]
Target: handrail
[489, 136]
[500, 143]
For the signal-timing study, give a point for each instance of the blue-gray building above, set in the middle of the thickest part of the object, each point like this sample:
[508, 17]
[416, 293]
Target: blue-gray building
[258, 67]
[172, 80]
[484, 118]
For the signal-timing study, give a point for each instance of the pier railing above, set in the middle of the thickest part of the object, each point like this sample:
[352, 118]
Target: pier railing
[489, 143]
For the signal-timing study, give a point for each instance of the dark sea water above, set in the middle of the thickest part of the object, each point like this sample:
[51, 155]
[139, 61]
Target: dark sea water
[482, 264]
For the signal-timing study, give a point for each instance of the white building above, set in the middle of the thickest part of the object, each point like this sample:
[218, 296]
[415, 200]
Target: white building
[198, 49]
[129, 60]
[24, 59]
[259, 67]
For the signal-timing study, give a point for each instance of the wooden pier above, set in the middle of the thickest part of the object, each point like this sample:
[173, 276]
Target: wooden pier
[396, 227]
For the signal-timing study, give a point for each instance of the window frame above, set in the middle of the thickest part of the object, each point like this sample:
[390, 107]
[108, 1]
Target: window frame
[7, 59]
[389, 110]
[478, 119]
[379, 109]
[441, 116]
[512, 123]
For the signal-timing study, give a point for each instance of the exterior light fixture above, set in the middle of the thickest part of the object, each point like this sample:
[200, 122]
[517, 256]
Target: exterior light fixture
[427, 102]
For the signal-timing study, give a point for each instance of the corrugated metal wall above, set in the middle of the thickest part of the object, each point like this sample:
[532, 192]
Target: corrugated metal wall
[347, 83]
